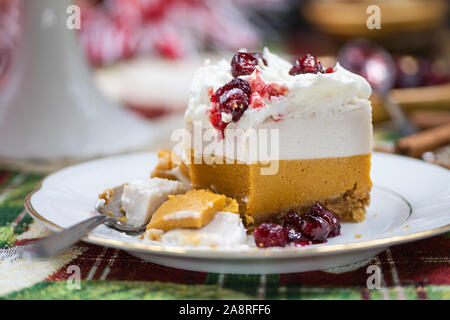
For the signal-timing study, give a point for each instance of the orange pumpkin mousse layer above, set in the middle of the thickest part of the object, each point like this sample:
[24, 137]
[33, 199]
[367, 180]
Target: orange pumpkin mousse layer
[194, 209]
[342, 184]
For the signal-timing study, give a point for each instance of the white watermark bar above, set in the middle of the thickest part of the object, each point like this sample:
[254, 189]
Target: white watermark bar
[250, 146]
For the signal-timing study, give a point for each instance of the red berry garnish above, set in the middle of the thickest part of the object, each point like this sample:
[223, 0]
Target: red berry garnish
[334, 221]
[295, 235]
[237, 90]
[262, 90]
[216, 120]
[293, 224]
[315, 228]
[329, 70]
[292, 219]
[276, 90]
[244, 63]
[306, 64]
[270, 235]
[256, 101]
[232, 98]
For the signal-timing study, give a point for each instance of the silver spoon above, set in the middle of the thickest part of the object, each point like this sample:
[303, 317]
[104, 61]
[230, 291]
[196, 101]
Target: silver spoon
[109, 214]
[376, 65]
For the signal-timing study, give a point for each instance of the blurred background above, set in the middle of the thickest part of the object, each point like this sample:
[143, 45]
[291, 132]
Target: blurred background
[143, 53]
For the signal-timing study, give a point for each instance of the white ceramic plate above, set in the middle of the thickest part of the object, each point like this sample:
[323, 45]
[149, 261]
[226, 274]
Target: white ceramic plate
[410, 201]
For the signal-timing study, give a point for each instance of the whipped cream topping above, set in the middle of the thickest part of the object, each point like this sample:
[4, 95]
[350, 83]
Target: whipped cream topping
[225, 229]
[308, 95]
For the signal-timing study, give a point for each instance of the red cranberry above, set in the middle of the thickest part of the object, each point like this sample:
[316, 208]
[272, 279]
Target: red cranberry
[232, 98]
[306, 64]
[295, 235]
[270, 235]
[237, 90]
[293, 223]
[329, 70]
[244, 63]
[276, 90]
[315, 228]
[216, 121]
[335, 222]
[292, 219]
[256, 101]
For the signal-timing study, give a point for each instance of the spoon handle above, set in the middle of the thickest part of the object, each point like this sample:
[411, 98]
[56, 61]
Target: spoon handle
[54, 244]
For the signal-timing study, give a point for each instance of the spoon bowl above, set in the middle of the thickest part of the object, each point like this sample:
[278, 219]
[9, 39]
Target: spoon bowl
[112, 208]
[109, 213]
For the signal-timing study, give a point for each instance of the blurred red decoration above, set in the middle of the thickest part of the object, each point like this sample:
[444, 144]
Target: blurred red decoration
[418, 72]
[113, 30]
[366, 60]
[118, 29]
[10, 29]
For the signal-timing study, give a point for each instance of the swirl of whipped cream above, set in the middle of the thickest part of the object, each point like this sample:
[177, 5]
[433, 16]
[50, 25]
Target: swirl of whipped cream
[308, 95]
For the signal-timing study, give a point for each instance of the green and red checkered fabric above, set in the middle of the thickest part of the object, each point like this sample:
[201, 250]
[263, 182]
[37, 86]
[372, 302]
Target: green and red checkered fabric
[418, 270]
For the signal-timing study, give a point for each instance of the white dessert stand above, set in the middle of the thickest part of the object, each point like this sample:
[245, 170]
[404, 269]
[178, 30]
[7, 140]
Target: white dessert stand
[50, 109]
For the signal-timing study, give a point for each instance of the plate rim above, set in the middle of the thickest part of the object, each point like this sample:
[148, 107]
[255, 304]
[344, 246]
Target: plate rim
[250, 253]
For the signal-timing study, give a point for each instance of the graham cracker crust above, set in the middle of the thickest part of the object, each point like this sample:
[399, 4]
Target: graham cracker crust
[350, 207]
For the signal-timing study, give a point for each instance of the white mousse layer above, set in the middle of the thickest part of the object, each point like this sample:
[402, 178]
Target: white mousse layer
[321, 116]
[325, 136]
[225, 229]
[140, 199]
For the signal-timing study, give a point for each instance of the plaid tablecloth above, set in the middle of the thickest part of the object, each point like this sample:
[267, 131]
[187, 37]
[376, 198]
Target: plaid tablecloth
[418, 270]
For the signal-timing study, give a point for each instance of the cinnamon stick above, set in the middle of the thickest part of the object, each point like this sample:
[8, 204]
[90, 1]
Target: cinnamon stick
[427, 119]
[421, 142]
